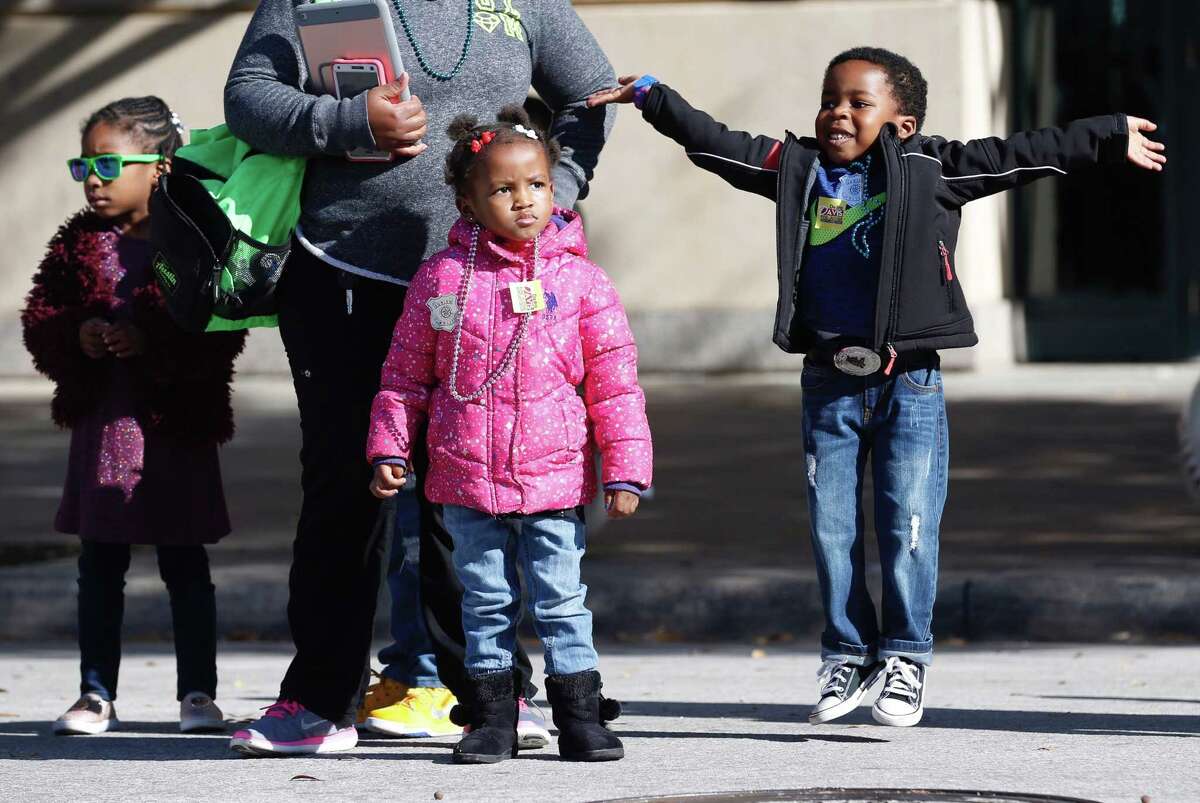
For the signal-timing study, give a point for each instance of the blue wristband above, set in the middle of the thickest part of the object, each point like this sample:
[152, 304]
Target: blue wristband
[641, 88]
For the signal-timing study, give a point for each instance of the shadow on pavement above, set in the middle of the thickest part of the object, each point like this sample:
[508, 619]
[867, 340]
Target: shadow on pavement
[1123, 699]
[33, 741]
[1064, 722]
[763, 737]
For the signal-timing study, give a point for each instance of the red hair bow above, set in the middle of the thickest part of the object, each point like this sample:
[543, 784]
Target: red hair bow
[483, 139]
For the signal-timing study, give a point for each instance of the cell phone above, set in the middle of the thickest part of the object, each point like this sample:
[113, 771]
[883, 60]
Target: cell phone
[352, 77]
[347, 30]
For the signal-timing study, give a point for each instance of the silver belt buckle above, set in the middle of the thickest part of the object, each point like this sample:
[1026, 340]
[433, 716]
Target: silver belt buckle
[857, 361]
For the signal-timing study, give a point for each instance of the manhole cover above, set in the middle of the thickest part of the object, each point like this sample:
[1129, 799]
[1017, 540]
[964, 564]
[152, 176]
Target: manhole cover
[856, 796]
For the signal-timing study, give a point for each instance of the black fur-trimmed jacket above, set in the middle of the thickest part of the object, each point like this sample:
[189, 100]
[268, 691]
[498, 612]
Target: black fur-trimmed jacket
[183, 379]
[920, 304]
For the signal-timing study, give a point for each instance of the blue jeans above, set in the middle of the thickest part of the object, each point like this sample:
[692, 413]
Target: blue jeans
[898, 422]
[409, 658]
[549, 548]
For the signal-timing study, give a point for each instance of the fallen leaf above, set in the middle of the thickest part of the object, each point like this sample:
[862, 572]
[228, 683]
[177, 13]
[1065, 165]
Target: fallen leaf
[304, 778]
[758, 653]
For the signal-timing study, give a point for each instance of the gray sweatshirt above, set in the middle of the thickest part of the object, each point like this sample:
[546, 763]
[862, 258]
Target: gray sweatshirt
[383, 219]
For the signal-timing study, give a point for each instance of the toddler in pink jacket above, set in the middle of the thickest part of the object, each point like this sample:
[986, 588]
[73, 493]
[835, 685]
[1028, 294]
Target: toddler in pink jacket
[498, 332]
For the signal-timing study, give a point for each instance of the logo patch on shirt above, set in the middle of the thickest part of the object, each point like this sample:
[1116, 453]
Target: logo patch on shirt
[443, 312]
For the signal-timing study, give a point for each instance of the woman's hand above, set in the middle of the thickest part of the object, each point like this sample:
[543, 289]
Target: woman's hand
[1144, 152]
[388, 479]
[618, 94]
[621, 504]
[124, 340]
[91, 337]
[397, 125]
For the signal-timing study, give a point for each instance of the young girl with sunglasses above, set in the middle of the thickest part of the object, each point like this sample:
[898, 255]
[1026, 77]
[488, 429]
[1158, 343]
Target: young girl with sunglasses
[498, 331]
[147, 405]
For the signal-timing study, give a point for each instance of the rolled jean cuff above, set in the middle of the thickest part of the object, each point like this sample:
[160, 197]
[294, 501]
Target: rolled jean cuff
[919, 652]
[412, 681]
[488, 667]
[853, 654]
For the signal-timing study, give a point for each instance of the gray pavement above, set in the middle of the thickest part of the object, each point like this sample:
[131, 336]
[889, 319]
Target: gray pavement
[1067, 517]
[1099, 722]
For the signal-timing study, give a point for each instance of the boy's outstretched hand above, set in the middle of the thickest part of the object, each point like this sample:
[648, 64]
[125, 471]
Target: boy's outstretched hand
[1143, 152]
[388, 479]
[618, 94]
[620, 504]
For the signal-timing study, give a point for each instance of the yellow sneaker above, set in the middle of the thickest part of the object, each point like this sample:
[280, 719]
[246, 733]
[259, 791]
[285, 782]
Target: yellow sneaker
[380, 694]
[422, 712]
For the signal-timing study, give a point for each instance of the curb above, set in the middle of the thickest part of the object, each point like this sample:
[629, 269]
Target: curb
[631, 602]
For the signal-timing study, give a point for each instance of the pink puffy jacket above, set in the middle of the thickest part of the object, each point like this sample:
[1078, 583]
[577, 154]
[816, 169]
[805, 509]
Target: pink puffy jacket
[524, 446]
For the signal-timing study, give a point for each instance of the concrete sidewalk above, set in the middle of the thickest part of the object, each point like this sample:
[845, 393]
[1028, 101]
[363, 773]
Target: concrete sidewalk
[1099, 722]
[1067, 517]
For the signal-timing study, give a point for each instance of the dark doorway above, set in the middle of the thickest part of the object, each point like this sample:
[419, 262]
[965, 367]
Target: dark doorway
[1106, 260]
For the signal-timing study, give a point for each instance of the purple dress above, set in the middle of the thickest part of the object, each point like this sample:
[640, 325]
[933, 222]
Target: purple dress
[126, 483]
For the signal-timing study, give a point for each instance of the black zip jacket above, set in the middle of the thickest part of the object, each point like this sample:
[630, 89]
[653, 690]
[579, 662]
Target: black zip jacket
[920, 303]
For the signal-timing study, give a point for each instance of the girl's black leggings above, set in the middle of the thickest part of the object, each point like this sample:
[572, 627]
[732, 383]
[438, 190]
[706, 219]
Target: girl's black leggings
[184, 569]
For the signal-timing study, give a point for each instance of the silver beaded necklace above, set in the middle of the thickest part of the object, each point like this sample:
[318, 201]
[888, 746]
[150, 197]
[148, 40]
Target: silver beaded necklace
[514, 348]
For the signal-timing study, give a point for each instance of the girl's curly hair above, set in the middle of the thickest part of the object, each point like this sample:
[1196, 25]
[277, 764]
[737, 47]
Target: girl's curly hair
[466, 129]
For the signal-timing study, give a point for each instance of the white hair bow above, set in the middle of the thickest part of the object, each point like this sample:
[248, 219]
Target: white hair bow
[529, 132]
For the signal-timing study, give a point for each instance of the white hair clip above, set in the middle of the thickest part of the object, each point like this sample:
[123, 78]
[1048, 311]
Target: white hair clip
[529, 132]
[177, 123]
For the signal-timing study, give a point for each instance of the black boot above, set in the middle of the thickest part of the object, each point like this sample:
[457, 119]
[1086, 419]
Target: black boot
[610, 709]
[576, 703]
[493, 735]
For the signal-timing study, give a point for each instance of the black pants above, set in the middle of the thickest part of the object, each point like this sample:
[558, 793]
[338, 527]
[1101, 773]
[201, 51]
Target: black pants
[341, 540]
[184, 569]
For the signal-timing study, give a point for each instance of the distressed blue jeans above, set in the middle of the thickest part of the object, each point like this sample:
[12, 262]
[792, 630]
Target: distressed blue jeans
[548, 547]
[898, 424]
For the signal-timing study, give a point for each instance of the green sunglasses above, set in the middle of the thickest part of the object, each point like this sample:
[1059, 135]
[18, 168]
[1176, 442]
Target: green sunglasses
[107, 165]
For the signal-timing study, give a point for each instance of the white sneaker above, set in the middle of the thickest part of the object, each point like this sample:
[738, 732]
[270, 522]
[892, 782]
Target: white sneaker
[89, 715]
[843, 687]
[531, 726]
[198, 713]
[902, 701]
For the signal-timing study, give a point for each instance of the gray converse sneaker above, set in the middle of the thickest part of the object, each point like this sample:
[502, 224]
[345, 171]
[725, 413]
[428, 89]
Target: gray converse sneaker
[288, 728]
[843, 687]
[88, 715]
[198, 713]
[902, 701]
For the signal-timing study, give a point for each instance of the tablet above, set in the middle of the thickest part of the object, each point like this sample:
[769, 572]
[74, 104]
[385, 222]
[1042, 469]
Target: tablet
[347, 29]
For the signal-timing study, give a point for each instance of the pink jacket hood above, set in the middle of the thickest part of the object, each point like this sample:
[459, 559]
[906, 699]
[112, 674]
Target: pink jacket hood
[525, 445]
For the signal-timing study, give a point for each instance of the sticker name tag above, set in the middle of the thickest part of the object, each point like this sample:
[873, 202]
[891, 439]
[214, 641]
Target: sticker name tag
[831, 213]
[443, 312]
[527, 296]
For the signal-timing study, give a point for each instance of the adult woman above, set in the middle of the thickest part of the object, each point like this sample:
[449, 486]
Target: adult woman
[364, 229]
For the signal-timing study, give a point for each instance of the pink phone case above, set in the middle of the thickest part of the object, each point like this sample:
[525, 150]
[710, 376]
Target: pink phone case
[364, 156]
